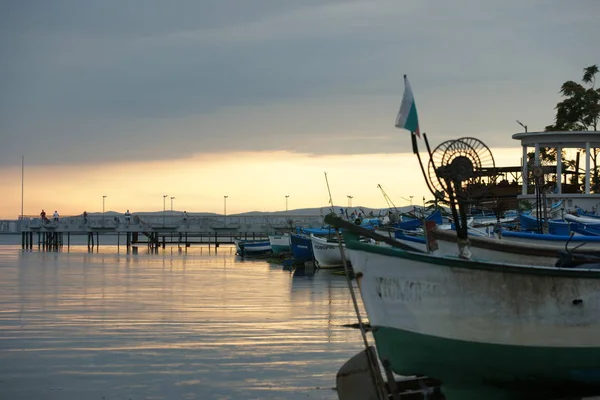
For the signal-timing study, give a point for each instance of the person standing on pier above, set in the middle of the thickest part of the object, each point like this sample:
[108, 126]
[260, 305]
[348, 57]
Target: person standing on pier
[184, 218]
[43, 216]
[55, 216]
[127, 217]
[85, 217]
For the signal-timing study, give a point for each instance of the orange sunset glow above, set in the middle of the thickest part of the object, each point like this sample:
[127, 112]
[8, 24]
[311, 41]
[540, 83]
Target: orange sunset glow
[253, 182]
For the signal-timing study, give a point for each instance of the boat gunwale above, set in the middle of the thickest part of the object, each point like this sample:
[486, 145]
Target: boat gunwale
[509, 246]
[353, 243]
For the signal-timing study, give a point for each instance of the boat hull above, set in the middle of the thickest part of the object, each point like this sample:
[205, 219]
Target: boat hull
[555, 227]
[327, 254]
[250, 248]
[589, 243]
[280, 243]
[473, 323]
[498, 250]
[473, 368]
[301, 248]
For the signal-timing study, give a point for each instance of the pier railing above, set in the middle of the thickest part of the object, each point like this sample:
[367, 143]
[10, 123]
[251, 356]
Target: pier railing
[176, 223]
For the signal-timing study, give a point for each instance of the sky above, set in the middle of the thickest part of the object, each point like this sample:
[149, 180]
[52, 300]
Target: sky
[258, 99]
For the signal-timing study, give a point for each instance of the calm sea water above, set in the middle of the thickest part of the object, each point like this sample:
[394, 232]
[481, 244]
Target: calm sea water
[167, 325]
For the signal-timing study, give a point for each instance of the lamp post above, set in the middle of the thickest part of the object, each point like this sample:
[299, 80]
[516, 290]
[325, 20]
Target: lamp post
[164, 207]
[103, 199]
[225, 208]
[523, 125]
[286, 202]
[350, 200]
[172, 197]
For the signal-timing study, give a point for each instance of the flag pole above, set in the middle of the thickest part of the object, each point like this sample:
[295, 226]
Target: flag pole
[22, 183]
[416, 151]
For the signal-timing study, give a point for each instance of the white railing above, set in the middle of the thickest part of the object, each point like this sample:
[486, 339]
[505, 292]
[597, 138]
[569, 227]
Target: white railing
[266, 223]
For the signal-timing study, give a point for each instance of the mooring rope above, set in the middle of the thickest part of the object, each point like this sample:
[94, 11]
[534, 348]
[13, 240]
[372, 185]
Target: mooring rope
[372, 362]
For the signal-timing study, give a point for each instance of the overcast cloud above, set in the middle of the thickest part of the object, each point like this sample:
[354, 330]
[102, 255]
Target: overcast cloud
[112, 80]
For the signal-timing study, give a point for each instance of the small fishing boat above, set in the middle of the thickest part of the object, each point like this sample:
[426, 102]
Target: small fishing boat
[584, 213]
[414, 240]
[582, 219]
[587, 242]
[280, 243]
[410, 223]
[530, 223]
[480, 325]
[249, 248]
[558, 253]
[301, 248]
[326, 252]
[484, 329]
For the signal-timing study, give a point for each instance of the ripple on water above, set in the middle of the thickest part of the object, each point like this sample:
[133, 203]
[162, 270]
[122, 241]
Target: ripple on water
[167, 325]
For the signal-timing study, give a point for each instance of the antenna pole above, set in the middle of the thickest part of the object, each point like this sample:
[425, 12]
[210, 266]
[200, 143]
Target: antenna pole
[416, 151]
[427, 144]
[22, 184]
[329, 191]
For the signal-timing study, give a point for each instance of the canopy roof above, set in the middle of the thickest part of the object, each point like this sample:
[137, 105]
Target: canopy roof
[569, 139]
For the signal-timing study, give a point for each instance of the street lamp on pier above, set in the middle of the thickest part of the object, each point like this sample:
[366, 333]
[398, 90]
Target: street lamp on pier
[172, 197]
[287, 196]
[225, 208]
[164, 207]
[350, 200]
[103, 208]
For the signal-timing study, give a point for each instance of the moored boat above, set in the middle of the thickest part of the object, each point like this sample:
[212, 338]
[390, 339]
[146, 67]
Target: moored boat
[479, 325]
[280, 243]
[548, 253]
[485, 329]
[301, 248]
[591, 243]
[326, 252]
[530, 223]
[251, 248]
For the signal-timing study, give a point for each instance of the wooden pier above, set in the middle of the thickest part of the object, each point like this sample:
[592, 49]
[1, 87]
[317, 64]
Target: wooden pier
[156, 232]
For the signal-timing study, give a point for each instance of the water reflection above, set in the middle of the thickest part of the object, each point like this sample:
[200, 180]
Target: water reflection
[172, 324]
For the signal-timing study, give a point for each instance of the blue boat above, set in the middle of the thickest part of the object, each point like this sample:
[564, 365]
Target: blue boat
[584, 213]
[585, 229]
[411, 224]
[587, 242]
[555, 227]
[301, 248]
[251, 248]
[315, 231]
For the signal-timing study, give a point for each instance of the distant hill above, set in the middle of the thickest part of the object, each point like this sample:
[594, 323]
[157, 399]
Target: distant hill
[321, 210]
[299, 211]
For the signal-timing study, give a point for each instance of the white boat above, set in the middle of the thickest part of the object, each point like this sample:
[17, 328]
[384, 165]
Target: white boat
[326, 252]
[478, 325]
[280, 243]
[444, 243]
[582, 220]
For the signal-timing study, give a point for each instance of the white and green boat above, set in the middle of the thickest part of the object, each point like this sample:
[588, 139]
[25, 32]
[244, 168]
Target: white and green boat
[485, 329]
[280, 243]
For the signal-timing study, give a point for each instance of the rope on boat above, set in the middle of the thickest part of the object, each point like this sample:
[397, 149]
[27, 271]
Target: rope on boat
[363, 332]
[372, 363]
